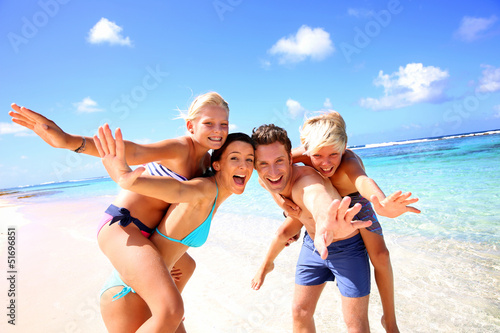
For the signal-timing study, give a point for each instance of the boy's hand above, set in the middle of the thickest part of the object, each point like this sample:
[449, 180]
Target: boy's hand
[293, 239]
[394, 205]
[291, 209]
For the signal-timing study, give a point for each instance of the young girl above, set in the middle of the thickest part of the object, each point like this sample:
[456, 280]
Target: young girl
[186, 223]
[324, 142]
[137, 215]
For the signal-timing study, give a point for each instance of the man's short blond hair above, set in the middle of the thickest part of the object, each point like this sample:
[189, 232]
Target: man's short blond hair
[327, 129]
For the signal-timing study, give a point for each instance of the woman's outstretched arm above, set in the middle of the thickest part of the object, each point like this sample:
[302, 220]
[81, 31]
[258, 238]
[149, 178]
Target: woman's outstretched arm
[112, 152]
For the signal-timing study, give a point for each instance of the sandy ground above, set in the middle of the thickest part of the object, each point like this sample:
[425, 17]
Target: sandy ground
[60, 270]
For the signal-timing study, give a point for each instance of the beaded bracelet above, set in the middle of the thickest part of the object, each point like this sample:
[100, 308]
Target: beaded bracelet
[82, 147]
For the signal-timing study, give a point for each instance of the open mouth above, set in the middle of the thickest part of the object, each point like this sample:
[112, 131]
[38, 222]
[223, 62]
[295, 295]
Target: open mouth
[215, 139]
[325, 171]
[275, 181]
[239, 180]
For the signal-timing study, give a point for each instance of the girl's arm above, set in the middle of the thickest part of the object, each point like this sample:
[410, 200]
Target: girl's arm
[51, 133]
[167, 189]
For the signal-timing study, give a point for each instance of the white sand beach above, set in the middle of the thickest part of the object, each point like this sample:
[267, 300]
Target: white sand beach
[60, 271]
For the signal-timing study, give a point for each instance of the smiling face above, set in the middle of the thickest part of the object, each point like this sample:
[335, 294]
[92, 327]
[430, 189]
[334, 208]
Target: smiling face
[210, 128]
[274, 166]
[235, 166]
[326, 160]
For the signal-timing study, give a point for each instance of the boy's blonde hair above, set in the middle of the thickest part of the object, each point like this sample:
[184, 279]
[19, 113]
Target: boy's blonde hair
[210, 98]
[324, 130]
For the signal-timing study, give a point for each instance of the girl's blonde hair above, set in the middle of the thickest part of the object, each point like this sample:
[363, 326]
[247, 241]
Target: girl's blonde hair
[324, 130]
[210, 98]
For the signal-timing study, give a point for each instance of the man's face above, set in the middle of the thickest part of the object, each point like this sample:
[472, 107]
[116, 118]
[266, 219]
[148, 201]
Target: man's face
[274, 166]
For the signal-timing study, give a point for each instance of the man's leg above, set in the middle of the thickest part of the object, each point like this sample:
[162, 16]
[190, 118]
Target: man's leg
[355, 312]
[305, 299]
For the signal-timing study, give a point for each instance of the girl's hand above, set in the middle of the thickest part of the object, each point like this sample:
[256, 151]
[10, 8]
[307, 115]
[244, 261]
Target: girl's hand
[113, 157]
[43, 127]
[176, 273]
[394, 205]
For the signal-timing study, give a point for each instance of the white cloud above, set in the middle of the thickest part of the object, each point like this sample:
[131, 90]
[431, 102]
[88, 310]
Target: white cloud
[359, 12]
[327, 104]
[490, 81]
[143, 141]
[266, 64]
[410, 85]
[471, 27]
[233, 127]
[294, 108]
[87, 105]
[307, 42]
[411, 126]
[496, 108]
[11, 128]
[106, 31]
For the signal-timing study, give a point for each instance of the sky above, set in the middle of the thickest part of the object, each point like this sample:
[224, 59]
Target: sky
[395, 70]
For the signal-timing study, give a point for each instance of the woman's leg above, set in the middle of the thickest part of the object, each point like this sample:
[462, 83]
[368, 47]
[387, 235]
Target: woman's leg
[124, 315]
[141, 267]
[129, 312]
[380, 258]
[186, 265]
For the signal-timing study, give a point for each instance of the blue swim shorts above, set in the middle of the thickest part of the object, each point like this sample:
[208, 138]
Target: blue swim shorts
[366, 213]
[347, 262]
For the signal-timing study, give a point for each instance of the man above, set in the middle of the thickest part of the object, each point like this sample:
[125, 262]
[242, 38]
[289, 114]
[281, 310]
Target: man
[341, 253]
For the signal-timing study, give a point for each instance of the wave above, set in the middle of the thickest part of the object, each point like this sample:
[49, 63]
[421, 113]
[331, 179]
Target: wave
[55, 183]
[429, 139]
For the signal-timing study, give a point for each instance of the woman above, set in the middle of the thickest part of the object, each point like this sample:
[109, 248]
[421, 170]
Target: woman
[186, 223]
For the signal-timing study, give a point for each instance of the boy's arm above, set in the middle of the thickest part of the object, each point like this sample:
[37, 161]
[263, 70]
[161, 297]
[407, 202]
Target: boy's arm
[52, 134]
[299, 156]
[391, 206]
[163, 188]
[333, 218]
[287, 230]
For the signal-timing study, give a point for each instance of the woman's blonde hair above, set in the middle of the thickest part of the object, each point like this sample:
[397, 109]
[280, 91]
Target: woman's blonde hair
[210, 98]
[327, 129]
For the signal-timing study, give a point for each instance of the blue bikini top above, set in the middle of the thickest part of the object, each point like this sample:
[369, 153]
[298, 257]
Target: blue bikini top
[198, 236]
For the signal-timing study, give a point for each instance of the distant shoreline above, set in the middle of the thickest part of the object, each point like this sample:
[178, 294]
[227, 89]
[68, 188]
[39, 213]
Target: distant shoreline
[434, 138]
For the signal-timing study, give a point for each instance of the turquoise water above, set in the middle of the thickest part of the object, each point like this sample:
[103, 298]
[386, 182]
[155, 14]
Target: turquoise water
[457, 181]
[446, 260]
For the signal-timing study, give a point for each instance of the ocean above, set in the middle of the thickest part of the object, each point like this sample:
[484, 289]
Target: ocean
[446, 260]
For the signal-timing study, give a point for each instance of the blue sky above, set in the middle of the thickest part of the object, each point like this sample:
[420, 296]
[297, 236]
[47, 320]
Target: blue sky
[394, 69]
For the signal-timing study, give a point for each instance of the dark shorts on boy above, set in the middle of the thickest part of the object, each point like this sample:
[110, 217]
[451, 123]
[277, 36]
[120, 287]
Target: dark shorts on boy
[366, 213]
[347, 262]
